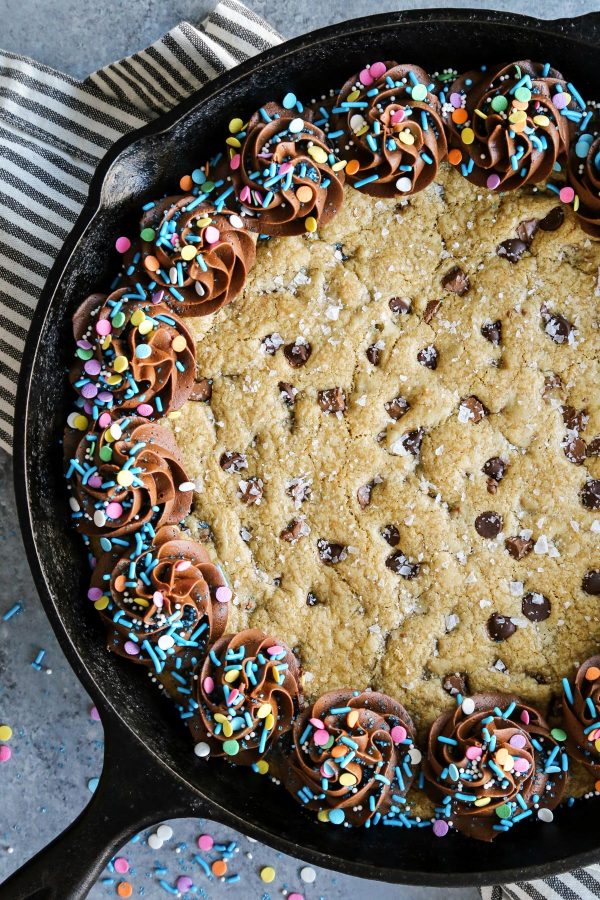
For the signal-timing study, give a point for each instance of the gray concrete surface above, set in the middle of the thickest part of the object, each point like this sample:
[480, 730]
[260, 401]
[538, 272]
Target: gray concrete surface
[56, 747]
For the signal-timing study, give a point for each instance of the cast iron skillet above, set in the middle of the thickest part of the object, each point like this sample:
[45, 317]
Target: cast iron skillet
[150, 772]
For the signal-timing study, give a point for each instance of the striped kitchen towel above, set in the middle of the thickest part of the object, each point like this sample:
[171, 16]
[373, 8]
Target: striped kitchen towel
[55, 129]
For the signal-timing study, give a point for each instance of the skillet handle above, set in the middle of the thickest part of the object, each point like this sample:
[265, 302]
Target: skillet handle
[133, 793]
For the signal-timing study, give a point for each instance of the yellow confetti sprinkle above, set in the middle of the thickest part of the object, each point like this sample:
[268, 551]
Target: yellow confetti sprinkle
[203, 222]
[542, 121]
[270, 722]
[263, 710]
[6, 732]
[482, 801]
[113, 379]
[262, 767]
[352, 718]
[233, 142]
[267, 874]
[179, 343]
[339, 165]
[137, 317]
[467, 135]
[145, 327]
[121, 364]
[80, 423]
[481, 114]
[352, 96]
[323, 816]
[406, 137]
[125, 478]
[141, 601]
[317, 153]
[310, 223]
[188, 252]
[231, 676]
[347, 779]
[236, 125]
[101, 603]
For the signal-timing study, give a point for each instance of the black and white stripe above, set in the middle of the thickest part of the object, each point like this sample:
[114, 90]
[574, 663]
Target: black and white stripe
[55, 129]
[580, 884]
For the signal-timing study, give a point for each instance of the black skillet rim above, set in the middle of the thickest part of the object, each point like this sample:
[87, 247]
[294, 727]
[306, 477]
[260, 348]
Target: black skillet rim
[586, 30]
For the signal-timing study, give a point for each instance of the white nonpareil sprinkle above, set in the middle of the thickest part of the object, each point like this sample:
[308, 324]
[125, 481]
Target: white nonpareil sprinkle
[154, 842]
[308, 874]
[202, 750]
[186, 486]
[164, 832]
[468, 706]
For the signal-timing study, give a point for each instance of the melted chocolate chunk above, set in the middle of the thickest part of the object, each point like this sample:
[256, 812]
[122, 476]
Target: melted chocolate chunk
[492, 332]
[518, 547]
[332, 400]
[553, 220]
[400, 565]
[574, 419]
[412, 441]
[374, 354]
[476, 408]
[298, 353]
[456, 281]
[428, 357]
[489, 524]
[288, 392]
[593, 448]
[500, 627]
[271, 343]
[400, 306]
[575, 449]
[299, 490]
[456, 683]
[590, 494]
[491, 486]
[556, 326]
[495, 468]
[363, 494]
[311, 599]
[391, 534]
[251, 491]
[331, 553]
[527, 230]
[231, 461]
[430, 310]
[397, 407]
[294, 531]
[202, 391]
[552, 382]
[535, 607]
[591, 582]
[512, 249]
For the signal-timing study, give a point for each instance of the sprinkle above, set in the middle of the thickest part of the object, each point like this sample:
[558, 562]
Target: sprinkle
[5, 753]
[205, 842]
[223, 594]
[186, 486]
[12, 612]
[202, 750]
[124, 889]
[440, 828]
[219, 868]
[558, 734]
[468, 706]
[310, 223]
[592, 673]
[6, 732]
[567, 194]
[267, 874]
[493, 181]
[455, 157]
[398, 734]
[121, 865]
[235, 126]
[545, 814]
[93, 784]
[336, 816]
[122, 244]
[404, 184]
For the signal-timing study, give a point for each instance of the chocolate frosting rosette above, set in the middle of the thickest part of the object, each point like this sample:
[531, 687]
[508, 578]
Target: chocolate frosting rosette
[247, 696]
[131, 354]
[163, 599]
[191, 256]
[389, 123]
[581, 714]
[125, 477]
[350, 758]
[584, 173]
[511, 125]
[491, 763]
[285, 176]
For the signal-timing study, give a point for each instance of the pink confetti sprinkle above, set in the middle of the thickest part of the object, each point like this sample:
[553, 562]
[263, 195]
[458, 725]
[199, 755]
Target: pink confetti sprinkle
[398, 734]
[85, 345]
[94, 594]
[398, 116]
[456, 100]
[567, 194]
[316, 723]
[95, 481]
[145, 409]
[114, 510]
[245, 194]
[94, 714]
[525, 717]
[295, 896]
[493, 181]
[440, 828]
[327, 771]
[158, 599]
[560, 100]
[121, 865]
[174, 239]
[157, 296]
[275, 650]
[92, 367]
[235, 162]
[321, 737]
[474, 753]
[211, 234]
[182, 565]
[103, 327]
[223, 594]
[233, 695]
[104, 420]
[131, 649]
[378, 69]
[365, 78]
[184, 883]
[285, 167]
[208, 685]
[122, 244]
[518, 740]
[205, 842]
[5, 753]
[521, 765]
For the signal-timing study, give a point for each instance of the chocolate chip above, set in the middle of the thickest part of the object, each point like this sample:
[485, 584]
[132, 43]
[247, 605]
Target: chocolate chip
[456, 683]
[495, 468]
[231, 461]
[492, 332]
[331, 553]
[535, 607]
[574, 419]
[527, 229]
[590, 494]
[271, 343]
[397, 407]
[500, 627]
[518, 547]
[391, 534]
[412, 441]
[428, 357]
[489, 524]
[202, 391]
[299, 490]
[456, 281]
[294, 531]
[430, 310]
[512, 249]
[491, 486]
[288, 392]
[250, 491]
[556, 326]
[363, 494]
[332, 400]
[476, 410]
[400, 306]
[311, 599]
[374, 354]
[575, 449]
[591, 582]
[593, 448]
[298, 353]
[400, 565]
[552, 382]
[553, 220]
